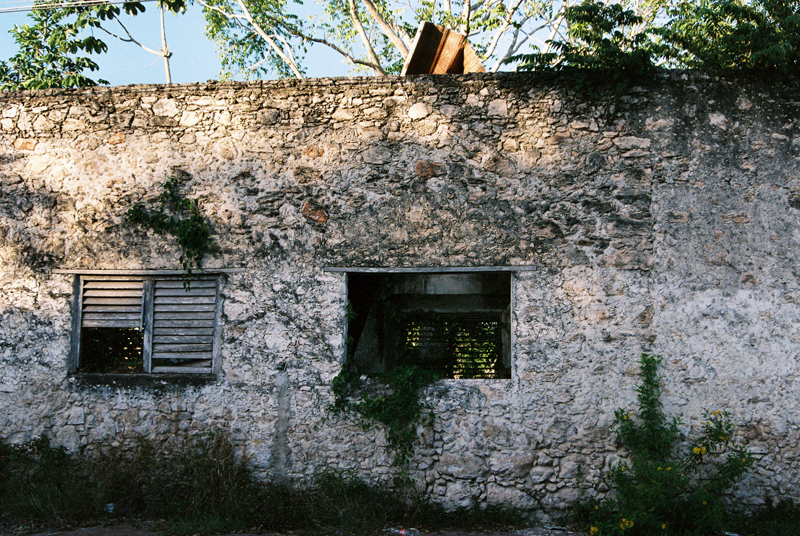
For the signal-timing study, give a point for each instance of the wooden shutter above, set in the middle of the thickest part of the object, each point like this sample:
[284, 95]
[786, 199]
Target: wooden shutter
[109, 303]
[184, 326]
[461, 346]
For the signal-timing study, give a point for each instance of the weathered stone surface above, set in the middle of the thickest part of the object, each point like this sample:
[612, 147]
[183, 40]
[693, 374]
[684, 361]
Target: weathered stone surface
[314, 213]
[418, 111]
[669, 225]
[426, 169]
[117, 138]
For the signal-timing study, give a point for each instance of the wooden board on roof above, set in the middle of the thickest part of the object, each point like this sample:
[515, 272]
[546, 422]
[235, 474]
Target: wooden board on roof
[439, 50]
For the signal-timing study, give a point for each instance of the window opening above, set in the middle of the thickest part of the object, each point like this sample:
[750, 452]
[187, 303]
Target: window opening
[455, 324]
[146, 324]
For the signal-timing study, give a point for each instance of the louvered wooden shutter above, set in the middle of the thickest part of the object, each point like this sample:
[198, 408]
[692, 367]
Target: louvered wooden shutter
[110, 303]
[183, 326]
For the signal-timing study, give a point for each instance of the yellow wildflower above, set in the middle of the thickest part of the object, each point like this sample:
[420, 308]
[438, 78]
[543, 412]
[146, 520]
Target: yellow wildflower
[703, 450]
[596, 506]
[593, 530]
[669, 468]
[696, 450]
[663, 525]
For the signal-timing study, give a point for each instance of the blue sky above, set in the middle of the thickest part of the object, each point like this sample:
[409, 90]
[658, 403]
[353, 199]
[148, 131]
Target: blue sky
[194, 56]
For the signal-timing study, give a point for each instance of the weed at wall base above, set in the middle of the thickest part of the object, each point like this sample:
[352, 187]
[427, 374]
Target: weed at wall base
[659, 490]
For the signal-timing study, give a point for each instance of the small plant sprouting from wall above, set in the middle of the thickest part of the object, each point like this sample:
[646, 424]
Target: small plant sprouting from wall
[180, 218]
[657, 490]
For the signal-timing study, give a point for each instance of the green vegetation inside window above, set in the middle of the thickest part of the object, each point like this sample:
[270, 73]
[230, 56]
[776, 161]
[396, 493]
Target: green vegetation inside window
[455, 346]
[111, 350]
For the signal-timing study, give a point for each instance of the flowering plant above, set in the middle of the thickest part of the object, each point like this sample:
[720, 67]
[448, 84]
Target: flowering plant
[658, 490]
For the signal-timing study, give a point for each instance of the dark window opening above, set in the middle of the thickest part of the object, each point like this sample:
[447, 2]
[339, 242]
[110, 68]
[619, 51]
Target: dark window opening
[454, 324]
[111, 350]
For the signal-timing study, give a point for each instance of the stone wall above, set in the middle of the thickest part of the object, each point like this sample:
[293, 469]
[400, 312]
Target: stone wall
[666, 221]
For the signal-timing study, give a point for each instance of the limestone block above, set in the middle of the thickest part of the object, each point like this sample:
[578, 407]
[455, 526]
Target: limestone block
[418, 111]
[166, 107]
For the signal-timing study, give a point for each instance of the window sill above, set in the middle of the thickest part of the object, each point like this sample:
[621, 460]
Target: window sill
[144, 381]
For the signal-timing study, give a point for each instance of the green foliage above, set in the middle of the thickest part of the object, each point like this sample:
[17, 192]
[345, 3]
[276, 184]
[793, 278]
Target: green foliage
[50, 49]
[242, 50]
[393, 402]
[47, 54]
[41, 482]
[657, 490]
[597, 38]
[180, 218]
[599, 46]
[606, 43]
[782, 519]
[724, 34]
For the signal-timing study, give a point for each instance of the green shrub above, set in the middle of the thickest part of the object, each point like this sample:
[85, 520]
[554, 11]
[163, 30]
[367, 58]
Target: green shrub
[657, 490]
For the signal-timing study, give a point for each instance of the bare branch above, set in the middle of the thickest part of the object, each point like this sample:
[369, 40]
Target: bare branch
[255, 28]
[164, 49]
[364, 39]
[502, 29]
[130, 38]
[514, 46]
[338, 49]
[386, 28]
[466, 11]
[278, 50]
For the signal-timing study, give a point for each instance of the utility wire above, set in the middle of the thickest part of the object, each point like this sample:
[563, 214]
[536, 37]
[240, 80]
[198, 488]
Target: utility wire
[59, 5]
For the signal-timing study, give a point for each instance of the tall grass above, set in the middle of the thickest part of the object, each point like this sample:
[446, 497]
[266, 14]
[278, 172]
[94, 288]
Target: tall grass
[204, 485]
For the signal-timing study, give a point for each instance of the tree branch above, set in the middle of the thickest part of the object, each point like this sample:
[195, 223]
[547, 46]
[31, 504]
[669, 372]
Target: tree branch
[502, 29]
[386, 28]
[260, 31]
[130, 38]
[364, 39]
[336, 48]
[466, 12]
[255, 28]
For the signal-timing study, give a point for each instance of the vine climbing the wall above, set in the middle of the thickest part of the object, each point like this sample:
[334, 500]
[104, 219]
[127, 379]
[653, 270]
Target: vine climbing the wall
[180, 218]
[391, 398]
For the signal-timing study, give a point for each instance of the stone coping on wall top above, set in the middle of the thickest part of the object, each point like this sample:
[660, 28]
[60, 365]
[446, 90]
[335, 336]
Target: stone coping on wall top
[428, 269]
[214, 85]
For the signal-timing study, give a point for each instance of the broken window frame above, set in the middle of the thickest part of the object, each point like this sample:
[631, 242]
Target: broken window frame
[198, 311]
[508, 316]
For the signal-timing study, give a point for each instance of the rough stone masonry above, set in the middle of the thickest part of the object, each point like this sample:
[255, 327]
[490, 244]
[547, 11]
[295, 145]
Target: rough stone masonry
[667, 221]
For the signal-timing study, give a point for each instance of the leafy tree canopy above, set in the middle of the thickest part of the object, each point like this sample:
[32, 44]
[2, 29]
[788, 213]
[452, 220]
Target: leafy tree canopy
[275, 37]
[704, 34]
[52, 48]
